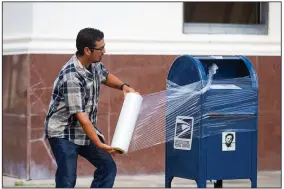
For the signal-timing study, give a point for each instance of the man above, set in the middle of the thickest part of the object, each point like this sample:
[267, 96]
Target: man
[229, 138]
[70, 124]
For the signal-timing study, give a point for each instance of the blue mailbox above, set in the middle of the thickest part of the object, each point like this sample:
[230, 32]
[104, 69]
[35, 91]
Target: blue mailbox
[211, 120]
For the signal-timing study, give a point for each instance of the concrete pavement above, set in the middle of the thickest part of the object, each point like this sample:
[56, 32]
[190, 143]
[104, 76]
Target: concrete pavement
[265, 179]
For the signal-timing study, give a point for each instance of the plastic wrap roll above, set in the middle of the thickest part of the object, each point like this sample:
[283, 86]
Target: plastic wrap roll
[126, 122]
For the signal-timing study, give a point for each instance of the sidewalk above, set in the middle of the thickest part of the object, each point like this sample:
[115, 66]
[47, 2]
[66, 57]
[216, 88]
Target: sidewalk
[265, 179]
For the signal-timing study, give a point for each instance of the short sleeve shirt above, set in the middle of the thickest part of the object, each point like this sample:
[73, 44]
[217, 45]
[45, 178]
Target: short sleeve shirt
[76, 89]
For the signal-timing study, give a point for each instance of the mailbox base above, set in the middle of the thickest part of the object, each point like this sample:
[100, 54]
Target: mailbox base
[202, 183]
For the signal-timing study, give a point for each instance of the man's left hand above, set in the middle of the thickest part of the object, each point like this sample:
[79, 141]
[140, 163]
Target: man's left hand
[127, 89]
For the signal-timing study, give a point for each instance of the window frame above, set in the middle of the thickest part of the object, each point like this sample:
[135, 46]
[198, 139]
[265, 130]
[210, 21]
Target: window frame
[247, 29]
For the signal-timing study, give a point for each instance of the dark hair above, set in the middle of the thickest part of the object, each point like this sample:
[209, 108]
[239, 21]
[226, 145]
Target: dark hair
[87, 37]
[230, 134]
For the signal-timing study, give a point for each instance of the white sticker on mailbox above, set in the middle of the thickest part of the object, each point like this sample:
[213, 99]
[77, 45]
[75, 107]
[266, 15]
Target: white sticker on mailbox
[228, 141]
[224, 86]
[217, 57]
[183, 132]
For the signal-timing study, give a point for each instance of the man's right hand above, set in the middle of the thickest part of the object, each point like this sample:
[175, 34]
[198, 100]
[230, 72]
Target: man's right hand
[108, 149]
[91, 133]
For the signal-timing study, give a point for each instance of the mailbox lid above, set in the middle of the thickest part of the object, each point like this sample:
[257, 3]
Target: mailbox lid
[186, 70]
[232, 70]
[234, 88]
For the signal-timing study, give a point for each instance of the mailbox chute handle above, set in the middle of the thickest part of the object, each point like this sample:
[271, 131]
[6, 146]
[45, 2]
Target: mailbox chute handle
[228, 115]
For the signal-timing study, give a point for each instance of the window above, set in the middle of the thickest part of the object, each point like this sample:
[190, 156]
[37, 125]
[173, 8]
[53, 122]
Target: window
[226, 18]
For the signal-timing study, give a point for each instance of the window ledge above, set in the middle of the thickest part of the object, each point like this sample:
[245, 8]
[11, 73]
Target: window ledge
[206, 28]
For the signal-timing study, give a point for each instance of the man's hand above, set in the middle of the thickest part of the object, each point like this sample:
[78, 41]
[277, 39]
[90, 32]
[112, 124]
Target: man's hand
[91, 133]
[108, 149]
[127, 89]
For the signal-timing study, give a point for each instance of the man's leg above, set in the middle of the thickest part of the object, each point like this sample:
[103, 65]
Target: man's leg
[105, 173]
[66, 155]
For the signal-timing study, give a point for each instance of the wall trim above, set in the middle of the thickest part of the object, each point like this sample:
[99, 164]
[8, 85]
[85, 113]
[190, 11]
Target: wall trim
[193, 44]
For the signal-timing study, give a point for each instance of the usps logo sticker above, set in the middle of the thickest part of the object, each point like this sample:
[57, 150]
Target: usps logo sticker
[183, 132]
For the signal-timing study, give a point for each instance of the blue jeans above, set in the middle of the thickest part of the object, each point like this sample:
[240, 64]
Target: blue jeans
[66, 155]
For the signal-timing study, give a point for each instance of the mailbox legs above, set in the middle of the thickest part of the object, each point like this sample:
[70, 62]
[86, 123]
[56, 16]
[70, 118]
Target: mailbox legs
[168, 181]
[201, 183]
[218, 184]
[253, 182]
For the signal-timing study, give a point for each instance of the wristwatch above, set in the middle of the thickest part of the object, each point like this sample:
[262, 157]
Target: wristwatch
[121, 87]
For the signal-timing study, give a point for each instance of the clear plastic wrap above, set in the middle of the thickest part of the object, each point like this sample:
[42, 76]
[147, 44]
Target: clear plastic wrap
[215, 106]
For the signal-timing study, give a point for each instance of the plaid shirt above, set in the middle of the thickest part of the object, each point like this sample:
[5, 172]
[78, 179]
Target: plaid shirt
[76, 89]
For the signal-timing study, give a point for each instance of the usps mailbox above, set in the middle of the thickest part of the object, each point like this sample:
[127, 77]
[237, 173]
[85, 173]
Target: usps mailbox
[211, 120]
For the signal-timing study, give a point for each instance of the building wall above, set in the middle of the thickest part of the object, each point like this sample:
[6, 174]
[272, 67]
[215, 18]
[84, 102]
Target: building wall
[140, 51]
[158, 31]
[15, 114]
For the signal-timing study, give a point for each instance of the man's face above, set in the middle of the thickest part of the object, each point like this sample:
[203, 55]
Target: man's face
[229, 139]
[98, 51]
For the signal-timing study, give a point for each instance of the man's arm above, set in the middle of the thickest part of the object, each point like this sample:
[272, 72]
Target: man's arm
[113, 82]
[88, 128]
[75, 103]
